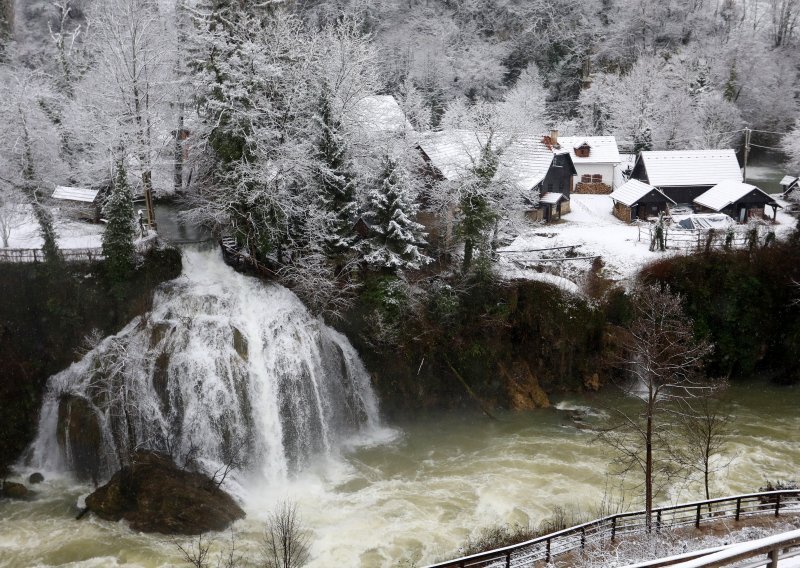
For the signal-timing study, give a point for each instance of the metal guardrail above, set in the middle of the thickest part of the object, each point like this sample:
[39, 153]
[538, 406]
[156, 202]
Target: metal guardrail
[609, 528]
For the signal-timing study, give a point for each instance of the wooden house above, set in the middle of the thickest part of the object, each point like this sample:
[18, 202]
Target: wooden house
[534, 166]
[595, 158]
[741, 201]
[686, 174]
[81, 202]
[637, 200]
[788, 185]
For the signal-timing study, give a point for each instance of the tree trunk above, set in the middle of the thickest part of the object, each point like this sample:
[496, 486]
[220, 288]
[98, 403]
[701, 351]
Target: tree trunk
[648, 473]
[467, 254]
[179, 151]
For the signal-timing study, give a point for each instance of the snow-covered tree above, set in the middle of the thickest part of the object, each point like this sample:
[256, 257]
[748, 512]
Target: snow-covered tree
[396, 237]
[477, 214]
[791, 146]
[524, 105]
[335, 179]
[29, 154]
[12, 215]
[128, 87]
[118, 247]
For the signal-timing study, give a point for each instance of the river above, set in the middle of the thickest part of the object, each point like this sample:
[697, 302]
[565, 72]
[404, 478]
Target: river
[411, 492]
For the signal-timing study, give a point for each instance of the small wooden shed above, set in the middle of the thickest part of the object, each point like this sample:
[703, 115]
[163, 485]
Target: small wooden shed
[741, 201]
[638, 200]
[789, 184]
[84, 203]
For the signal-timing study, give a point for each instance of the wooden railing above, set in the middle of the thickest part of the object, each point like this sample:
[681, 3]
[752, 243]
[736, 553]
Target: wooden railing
[36, 255]
[608, 529]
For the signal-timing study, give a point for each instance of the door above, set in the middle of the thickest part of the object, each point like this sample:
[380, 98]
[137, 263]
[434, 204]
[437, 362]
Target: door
[742, 214]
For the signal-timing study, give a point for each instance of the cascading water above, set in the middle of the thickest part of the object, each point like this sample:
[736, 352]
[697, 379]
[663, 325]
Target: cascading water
[224, 369]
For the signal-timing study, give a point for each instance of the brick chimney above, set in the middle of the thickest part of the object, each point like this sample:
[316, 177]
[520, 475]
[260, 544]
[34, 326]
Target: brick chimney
[554, 138]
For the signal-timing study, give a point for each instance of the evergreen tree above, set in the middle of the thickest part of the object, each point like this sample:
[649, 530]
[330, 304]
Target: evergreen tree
[118, 238]
[477, 214]
[396, 240]
[336, 183]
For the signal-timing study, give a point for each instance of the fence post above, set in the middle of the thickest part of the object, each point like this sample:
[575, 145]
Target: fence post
[508, 560]
[697, 519]
[778, 505]
[738, 507]
[583, 538]
[613, 528]
[547, 553]
[658, 521]
[773, 558]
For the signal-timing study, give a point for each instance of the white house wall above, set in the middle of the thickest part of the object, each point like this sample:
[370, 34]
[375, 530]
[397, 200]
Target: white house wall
[605, 170]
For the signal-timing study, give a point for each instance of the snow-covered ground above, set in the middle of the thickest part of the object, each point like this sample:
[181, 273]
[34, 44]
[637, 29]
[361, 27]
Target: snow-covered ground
[593, 231]
[71, 234]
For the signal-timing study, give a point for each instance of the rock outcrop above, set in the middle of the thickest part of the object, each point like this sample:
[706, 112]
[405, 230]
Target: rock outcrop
[12, 490]
[524, 391]
[154, 495]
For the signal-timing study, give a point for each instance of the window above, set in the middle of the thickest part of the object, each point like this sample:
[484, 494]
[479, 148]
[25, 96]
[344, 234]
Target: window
[597, 178]
[586, 178]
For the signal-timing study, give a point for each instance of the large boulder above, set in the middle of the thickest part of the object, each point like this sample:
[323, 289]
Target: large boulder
[155, 495]
[14, 491]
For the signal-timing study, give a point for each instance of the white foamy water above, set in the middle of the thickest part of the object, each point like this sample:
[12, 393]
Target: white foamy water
[223, 367]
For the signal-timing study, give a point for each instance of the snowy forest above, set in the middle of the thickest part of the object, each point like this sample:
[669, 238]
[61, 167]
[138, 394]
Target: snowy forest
[254, 114]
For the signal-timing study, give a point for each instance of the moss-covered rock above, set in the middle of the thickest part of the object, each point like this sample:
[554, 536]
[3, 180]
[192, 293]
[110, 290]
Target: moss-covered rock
[154, 495]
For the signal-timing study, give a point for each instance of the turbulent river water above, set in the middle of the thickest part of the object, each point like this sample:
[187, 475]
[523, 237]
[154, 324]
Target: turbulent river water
[373, 494]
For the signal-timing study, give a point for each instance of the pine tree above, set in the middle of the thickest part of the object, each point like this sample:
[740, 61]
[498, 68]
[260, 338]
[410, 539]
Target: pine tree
[396, 240]
[336, 183]
[477, 214]
[118, 247]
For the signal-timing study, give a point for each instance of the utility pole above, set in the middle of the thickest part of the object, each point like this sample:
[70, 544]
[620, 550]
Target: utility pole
[747, 132]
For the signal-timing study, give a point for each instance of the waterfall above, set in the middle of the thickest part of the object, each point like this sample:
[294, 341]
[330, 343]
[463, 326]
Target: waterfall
[223, 369]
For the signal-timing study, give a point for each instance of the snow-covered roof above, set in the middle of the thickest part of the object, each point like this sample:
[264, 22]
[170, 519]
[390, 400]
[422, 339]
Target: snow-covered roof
[723, 194]
[669, 168]
[788, 180]
[603, 149]
[524, 160]
[632, 191]
[75, 194]
[381, 113]
[551, 198]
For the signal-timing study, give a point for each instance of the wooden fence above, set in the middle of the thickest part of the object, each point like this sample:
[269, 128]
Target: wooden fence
[36, 255]
[69, 255]
[608, 529]
[699, 240]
